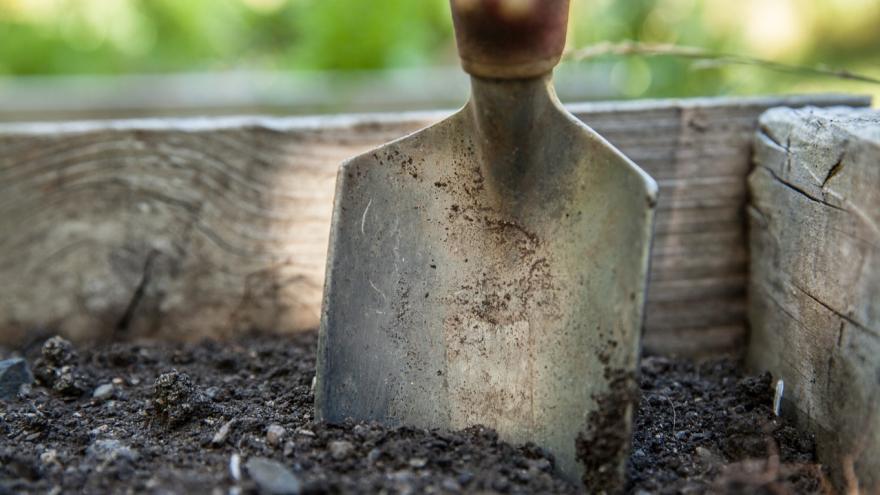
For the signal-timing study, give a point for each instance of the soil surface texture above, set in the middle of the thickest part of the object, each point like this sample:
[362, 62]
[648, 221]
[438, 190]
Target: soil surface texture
[237, 417]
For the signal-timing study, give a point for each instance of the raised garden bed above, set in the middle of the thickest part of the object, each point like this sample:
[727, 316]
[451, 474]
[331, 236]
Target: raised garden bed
[149, 233]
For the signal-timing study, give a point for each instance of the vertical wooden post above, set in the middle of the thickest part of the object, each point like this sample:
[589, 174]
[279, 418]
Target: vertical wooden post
[814, 291]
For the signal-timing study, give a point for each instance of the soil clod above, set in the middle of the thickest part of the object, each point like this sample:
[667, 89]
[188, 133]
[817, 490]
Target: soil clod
[176, 399]
[604, 441]
[58, 369]
[59, 352]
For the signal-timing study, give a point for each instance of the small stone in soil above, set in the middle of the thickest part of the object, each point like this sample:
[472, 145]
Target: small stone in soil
[540, 465]
[235, 467]
[274, 434]
[305, 433]
[451, 485]
[49, 456]
[272, 477]
[13, 374]
[103, 391]
[111, 450]
[340, 449]
[360, 431]
[223, 432]
[289, 447]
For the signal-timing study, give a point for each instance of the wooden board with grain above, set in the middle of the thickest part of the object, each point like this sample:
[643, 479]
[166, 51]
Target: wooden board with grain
[188, 228]
[814, 292]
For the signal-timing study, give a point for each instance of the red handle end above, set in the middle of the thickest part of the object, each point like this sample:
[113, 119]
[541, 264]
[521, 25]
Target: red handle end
[510, 39]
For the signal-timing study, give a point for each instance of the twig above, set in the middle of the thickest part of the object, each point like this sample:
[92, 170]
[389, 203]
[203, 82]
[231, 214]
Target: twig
[671, 404]
[628, 48]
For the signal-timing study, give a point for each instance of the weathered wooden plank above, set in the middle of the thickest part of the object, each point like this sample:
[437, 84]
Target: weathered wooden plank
[814, 291]
[203, 227]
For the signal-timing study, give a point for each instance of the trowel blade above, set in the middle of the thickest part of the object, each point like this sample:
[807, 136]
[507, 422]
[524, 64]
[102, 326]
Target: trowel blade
[469, 286]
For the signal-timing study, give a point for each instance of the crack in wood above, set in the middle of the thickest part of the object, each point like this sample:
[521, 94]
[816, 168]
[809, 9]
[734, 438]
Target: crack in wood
[758, 214]
[765, 132]
[124, 323]
[847, 318]
[800, 191]
[835, 169]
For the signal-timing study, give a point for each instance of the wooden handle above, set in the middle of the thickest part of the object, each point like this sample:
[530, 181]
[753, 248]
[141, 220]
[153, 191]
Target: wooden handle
[509, 39]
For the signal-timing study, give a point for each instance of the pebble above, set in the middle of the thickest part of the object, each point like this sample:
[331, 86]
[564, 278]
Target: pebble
[340, 449]
[374, 456]
[403, 477]
[540, 464]
[274, 434]
[707, 456]
[212, 393]
[272, 477]
[49, 457]
[103, 391]
[418, 462]
[522, 476]
[235, 467]
[451, 485]
[289, 447]
[13, 374]
[360, 431]
[404, 482]
[111, 450]
[502, 484]
[223, 432]
[99, 431]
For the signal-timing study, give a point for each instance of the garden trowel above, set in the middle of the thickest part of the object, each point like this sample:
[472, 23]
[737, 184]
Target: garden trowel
[491, 269]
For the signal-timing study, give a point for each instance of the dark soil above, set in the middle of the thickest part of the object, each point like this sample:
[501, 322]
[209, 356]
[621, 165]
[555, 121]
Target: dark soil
[603, 441]
[164, 418]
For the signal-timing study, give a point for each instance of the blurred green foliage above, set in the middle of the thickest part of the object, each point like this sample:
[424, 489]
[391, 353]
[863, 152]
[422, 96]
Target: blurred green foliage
[149, 36]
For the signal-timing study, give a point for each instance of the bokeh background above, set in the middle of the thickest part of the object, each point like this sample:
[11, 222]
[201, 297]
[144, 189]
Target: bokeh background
[109, 58]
